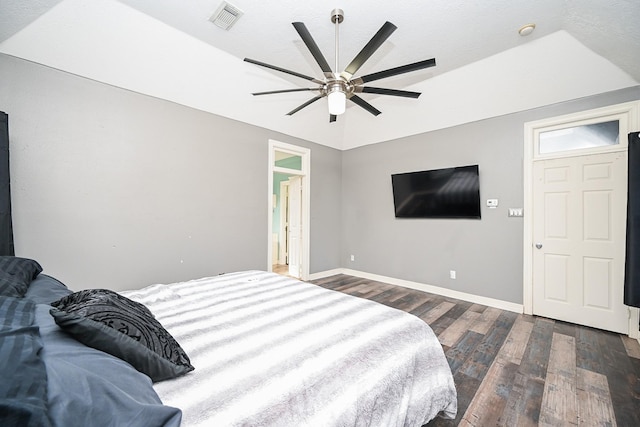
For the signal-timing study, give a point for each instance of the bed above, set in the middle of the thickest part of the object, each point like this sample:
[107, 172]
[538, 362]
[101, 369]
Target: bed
[248, 348]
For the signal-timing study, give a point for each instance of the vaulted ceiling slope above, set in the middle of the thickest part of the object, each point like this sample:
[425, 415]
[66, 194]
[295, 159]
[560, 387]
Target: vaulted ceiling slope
[169, 49]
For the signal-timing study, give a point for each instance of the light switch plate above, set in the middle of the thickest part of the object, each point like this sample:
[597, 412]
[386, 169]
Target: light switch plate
[515, 212]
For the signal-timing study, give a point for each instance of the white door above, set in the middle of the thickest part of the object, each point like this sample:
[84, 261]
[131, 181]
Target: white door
[284, 216]
[579, 214]
[295, 225]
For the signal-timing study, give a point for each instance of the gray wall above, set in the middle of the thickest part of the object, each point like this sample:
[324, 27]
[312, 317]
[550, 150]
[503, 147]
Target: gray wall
[487, 254]
[115, 189]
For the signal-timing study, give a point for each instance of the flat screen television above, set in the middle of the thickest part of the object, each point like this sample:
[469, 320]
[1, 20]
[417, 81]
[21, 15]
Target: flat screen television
[439, 193]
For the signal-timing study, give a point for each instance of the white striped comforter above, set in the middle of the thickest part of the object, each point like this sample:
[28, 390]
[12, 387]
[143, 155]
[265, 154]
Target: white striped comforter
[273, 351]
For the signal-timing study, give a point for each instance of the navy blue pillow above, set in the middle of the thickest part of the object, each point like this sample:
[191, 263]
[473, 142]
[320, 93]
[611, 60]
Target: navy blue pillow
[16, 274]
[110, 322]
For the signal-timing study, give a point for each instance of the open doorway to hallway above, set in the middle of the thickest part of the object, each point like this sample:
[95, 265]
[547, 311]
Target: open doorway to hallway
[289, 209]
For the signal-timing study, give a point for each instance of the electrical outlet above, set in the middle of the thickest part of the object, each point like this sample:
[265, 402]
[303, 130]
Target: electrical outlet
[353, 257]
[452, 274]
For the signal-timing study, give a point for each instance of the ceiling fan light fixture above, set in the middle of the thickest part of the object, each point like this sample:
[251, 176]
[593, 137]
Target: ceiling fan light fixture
[337, 100]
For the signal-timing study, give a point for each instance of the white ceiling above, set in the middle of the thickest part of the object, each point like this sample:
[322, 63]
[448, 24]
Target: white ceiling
[168, 49]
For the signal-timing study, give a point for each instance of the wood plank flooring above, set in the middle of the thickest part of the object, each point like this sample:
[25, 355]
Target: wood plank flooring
[516, 370]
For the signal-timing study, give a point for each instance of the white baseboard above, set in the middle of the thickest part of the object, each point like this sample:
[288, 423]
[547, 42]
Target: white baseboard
[634, 319]
[476, 299]
[326, 273]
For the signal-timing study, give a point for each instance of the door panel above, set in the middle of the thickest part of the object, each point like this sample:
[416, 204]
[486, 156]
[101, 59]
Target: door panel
[556, 215]
[556, 286]
[597, 273]
[579, 232]
[295, 225]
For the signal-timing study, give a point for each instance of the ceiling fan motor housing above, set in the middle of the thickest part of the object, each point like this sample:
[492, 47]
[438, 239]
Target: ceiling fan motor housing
[338, 84]
[337, 15]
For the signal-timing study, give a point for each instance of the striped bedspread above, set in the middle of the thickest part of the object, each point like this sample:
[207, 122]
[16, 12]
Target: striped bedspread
[23, 376]
[273, 351]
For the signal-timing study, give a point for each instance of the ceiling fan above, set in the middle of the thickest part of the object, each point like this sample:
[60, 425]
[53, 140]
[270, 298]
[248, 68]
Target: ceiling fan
[338, 87]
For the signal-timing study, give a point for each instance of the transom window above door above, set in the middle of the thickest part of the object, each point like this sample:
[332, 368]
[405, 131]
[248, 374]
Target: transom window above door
[580, 137]
[288, 160]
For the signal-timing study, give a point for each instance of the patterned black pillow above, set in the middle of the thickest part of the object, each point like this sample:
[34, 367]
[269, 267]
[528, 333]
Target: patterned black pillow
[16, 274]
[110, 322]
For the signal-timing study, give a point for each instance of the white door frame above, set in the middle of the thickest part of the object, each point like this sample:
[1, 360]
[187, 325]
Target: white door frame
[629, 116]
[305, 173]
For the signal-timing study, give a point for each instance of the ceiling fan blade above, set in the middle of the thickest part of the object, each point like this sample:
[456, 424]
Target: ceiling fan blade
[309, 102]
[332, 118]
[305, 35]
[395, 71]
[383, 91]
[283, 70]
[376, 41]
[271, 92]
[364, 104]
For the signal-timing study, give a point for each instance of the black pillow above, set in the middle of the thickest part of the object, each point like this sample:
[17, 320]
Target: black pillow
[16, 274]
[110, 322]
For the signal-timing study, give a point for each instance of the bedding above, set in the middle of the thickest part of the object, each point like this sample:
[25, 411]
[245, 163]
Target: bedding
[268, 351]
[273, 351]
[48, 378]
[16, 274]
[46, 289]
[23, 388]
[88, 387]
[110, 322]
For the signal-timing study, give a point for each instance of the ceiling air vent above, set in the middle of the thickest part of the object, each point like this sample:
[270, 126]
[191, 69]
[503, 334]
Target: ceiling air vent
[226, 15]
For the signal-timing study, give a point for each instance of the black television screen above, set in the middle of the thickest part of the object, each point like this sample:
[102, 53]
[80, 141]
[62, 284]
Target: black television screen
[439, 193]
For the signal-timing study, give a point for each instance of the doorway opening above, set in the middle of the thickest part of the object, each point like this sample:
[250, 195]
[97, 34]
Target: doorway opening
[289, 213]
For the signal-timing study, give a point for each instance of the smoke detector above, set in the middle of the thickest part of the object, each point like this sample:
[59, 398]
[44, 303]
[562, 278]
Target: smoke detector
[525, 30]
[226, 15]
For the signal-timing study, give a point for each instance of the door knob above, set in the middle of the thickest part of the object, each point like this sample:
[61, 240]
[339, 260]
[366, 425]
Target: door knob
[539, 245]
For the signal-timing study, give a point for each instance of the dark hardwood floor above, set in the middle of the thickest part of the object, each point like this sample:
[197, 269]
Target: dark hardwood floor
[517, 370]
